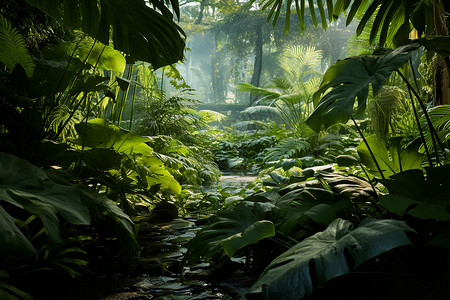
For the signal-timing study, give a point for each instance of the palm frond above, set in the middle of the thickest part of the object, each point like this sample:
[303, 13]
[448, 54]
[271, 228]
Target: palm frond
[263, 92]
[13, 49]
[282, 83]
[288, 148]
[261, 109]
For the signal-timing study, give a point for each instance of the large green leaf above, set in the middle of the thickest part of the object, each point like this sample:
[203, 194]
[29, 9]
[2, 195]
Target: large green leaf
[391, 158]
[349, 79]
[410, 192]
[13, 241]
[252, 234]
[99, 133]
[440, 118]
[28, 187]
[290, 276]
[300, 206]
[90, 51]
[146, 32]
[230, 230]
[149, 170]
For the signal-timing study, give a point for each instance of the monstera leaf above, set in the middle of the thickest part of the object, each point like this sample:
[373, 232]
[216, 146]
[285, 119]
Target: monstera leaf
[300, 206]
[391, 158]
[232, 229]
[410, 192]
[145, 32]
[290, 276]
[349, 79]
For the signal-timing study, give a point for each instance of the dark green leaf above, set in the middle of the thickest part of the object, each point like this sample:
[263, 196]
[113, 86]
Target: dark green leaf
[349, 80]
[289, 275]
[410, 192]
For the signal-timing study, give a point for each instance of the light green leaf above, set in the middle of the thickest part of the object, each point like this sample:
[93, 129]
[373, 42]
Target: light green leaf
[252, 234]
[392, 159]
[99, 133]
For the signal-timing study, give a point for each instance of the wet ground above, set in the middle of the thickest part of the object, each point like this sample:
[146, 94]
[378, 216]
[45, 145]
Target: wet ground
[158, 269]
[157, 272]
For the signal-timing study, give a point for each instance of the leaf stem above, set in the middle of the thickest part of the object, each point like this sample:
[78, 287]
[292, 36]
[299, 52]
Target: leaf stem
[368, 147]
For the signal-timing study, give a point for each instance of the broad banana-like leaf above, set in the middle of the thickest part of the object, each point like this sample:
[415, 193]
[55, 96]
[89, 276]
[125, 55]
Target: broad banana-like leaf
[99, 133]
[290, 276]
[349, 79]
[410, 192]
[391, 158]
[145, 32]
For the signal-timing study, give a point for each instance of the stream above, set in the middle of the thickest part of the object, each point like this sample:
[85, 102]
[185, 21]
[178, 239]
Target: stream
[158, 267]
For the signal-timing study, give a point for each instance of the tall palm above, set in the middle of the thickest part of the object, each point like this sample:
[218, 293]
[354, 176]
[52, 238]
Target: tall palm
[290, 96]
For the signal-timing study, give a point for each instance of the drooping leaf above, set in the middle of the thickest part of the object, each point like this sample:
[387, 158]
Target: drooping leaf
[289, 275]
[103, 209]
[14, 243]
[410, 192]
[349, 79]
[391, 158]
[438, 44]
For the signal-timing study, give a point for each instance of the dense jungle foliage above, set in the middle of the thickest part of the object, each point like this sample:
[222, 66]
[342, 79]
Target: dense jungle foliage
[116, 114]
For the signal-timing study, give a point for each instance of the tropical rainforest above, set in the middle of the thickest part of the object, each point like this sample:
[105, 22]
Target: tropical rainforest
[119, 118]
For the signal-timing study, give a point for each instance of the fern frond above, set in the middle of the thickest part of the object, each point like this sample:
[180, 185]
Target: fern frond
[210, 116]
[13, 49]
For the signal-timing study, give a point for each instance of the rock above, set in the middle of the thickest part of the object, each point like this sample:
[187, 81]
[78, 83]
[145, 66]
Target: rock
[164, 212]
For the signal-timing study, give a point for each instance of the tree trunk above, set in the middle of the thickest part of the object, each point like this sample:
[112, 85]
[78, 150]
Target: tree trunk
[200, 14]
[442, 75]
[257, 69]
[217, 76]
